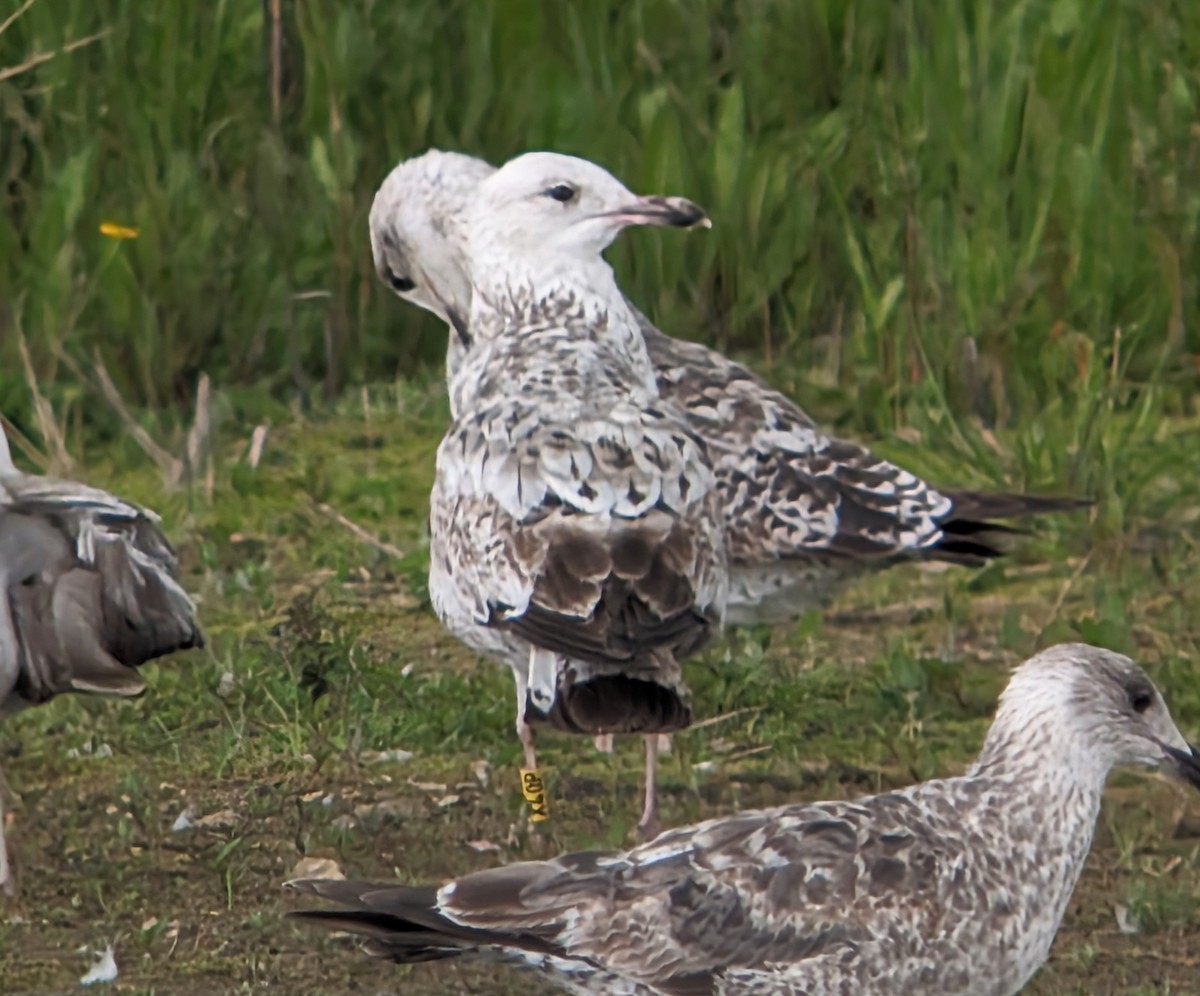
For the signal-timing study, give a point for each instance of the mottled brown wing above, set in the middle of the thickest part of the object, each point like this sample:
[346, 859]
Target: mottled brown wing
[599, 541]
[746, 894]
[614, 598]
[791, 491]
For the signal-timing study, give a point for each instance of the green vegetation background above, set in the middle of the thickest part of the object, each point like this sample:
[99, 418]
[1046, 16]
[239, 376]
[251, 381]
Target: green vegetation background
[924, 212]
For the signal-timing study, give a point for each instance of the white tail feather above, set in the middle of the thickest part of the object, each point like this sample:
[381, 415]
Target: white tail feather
[543, 680]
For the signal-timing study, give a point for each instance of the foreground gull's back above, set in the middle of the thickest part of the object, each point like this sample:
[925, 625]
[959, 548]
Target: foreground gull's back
[574, 527]
[90, 592]
[955, 886]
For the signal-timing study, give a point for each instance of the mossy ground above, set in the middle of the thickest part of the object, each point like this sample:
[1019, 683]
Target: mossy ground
[323, 650]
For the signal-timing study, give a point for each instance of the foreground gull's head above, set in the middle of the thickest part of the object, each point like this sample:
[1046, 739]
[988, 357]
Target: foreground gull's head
[414, 242]
[1103, 700]
[545, 203]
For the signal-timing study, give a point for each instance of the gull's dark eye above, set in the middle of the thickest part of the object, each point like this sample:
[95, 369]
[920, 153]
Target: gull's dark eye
[561, 192]
[1140, 700]
[401, 285]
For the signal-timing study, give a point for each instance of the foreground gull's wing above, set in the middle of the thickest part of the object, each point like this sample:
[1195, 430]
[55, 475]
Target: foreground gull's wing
[743, 895]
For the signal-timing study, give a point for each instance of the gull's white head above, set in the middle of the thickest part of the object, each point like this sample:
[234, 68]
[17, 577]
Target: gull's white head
[417, 247]
[1098, 704]
[547, 207]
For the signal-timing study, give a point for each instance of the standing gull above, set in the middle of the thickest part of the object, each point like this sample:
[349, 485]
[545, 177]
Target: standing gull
[953, 886]
[805, 512]
[574, 529]
[88, 593]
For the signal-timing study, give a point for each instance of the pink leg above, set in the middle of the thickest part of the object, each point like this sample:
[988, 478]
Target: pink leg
[8, 884]
[604, 743]
[649, 827]
[525, 733]
[524, 730]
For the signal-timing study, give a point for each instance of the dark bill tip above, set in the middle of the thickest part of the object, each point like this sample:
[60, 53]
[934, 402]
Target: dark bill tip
[672, 212]
[1184, 764]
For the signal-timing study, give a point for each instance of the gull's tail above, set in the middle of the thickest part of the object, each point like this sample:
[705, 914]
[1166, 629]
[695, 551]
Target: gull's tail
[621, 703]
[406, 924]
[970, 532]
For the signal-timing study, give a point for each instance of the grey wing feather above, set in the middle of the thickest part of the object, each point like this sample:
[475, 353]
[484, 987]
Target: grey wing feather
[91, 590]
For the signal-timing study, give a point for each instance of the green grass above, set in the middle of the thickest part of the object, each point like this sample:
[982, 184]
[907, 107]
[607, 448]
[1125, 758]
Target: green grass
[324, 651]
[965, 233]
[924, 215]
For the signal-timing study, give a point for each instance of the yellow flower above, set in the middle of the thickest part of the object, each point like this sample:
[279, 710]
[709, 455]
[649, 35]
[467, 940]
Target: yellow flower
[115, 231]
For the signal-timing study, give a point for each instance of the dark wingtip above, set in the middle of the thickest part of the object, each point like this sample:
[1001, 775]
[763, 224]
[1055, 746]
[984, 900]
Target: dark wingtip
[1007, 505]
[970, 527]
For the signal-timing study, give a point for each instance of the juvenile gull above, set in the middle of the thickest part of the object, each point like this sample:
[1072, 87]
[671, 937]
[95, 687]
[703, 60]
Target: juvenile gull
[88, 592]
[575, 532]
[953, 886]
[805, 512]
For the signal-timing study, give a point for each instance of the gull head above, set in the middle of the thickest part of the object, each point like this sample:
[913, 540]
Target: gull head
[1104, 701]
[547, 206]
[416, 246]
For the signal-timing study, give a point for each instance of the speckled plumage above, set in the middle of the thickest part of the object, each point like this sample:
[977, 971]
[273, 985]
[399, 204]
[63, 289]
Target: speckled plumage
[88, 592]
[804, 512]
[954, 886]
[575, 529]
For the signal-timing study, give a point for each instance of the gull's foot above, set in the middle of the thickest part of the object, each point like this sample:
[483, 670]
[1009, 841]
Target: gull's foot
[648, 828]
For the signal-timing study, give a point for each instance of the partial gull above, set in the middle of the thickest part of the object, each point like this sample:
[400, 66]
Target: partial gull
[575, 532]
[953, 886]
[805, 512]
[89, 591]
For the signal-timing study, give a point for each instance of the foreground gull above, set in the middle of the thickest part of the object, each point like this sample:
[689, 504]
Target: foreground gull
[954, 886]
[805, 512]
[88, 592]
[574, 529]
